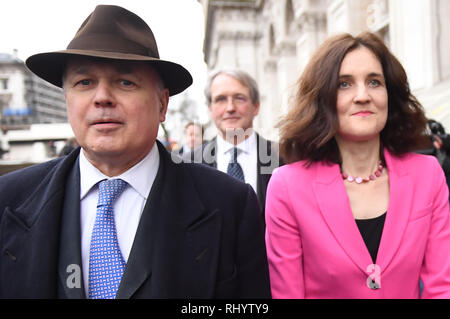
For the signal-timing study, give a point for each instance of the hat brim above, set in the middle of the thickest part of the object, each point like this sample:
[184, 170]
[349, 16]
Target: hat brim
[50, 67]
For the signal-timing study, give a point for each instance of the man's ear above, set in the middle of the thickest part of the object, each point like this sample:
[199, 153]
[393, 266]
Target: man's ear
[163, 104]
[256, 110]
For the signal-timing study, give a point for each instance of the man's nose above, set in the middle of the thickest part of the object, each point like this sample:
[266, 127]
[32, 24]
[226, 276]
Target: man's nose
[103, 95]
[230, 106]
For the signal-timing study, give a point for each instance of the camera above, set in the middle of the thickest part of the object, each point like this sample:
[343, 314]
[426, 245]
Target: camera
[437, 129]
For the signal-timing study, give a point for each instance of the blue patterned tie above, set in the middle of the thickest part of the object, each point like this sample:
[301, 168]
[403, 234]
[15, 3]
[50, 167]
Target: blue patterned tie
[234, 169]
[106, 264]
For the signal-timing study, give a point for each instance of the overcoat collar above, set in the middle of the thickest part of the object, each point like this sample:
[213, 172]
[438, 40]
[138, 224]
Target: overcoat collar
[334, 205]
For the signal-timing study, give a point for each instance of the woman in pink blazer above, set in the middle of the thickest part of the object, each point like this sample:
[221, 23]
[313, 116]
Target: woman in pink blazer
[355, 214]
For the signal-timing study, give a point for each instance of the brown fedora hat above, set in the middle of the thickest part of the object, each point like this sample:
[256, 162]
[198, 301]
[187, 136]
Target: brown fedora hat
[111, 32]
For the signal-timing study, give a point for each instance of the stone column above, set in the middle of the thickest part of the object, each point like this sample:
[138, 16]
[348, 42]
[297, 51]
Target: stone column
[347, 16]
[413, 41]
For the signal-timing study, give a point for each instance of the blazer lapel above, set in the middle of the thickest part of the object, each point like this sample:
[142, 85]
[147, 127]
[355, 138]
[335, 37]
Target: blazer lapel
[209, 153]
[399, 209]
[335, 207]
[267, 161]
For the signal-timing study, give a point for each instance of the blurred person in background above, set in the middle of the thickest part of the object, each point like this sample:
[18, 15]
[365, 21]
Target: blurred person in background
[193, 137]
[441, 147]
[71, 144]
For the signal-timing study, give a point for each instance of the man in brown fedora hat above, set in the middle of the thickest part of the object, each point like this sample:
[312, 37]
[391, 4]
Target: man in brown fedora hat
[117, 218]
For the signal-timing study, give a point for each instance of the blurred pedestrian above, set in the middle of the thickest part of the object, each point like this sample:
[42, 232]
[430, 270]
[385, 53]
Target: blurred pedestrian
[441, 147]
[193, 137]
[71, 144]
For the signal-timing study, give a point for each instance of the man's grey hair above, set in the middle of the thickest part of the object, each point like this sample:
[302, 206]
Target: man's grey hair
[243, 77]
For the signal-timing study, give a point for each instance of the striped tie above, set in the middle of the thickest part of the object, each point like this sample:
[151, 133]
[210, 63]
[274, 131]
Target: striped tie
[234, 169]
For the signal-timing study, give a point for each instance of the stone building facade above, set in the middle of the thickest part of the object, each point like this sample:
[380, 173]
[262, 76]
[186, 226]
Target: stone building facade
[274, 39]
[33, 115]
[26, 99]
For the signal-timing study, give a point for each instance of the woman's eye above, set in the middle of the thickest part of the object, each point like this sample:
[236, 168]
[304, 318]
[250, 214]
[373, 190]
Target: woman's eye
[374, 83]
[343, 85]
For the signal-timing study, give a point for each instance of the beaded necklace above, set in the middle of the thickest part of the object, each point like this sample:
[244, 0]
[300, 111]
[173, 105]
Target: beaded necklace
[360, 180]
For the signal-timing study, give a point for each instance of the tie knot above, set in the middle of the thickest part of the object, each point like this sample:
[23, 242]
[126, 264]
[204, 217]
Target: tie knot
[109, 190]
[234, 155]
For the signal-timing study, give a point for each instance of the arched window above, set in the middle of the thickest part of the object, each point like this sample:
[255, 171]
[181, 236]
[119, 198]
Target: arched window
[289, 15]
[271, 40]
[443, 26]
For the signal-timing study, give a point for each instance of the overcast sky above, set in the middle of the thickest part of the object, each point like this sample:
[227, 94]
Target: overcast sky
[35, 26]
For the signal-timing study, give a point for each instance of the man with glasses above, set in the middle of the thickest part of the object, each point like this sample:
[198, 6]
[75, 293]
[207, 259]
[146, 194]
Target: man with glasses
[233, 101]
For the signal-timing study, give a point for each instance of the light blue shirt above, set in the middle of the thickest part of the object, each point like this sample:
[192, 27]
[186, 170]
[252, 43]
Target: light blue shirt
[128, 207]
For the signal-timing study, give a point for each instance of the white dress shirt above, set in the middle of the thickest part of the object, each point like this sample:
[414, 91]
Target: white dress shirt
[127, 208]
[186, 149]
[247, 157]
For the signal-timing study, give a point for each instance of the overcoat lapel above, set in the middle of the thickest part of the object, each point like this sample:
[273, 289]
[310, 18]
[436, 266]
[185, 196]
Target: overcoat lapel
[335, 207]
[175, 252]
[31, 233]
[139, 264]
[70, 264]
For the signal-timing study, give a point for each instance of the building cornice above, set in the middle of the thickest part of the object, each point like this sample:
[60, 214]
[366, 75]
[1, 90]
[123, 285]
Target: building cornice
[212, 7]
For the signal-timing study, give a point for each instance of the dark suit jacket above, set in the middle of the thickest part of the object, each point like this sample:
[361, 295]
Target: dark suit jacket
[265, 164]
[200, 235]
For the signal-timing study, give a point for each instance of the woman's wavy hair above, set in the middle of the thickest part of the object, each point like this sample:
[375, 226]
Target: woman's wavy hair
[307, 131]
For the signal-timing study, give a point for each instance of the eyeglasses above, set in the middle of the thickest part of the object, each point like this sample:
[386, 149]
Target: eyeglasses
[236, 99]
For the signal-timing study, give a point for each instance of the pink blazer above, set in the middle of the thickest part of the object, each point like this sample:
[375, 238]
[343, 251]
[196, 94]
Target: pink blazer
[315, 249]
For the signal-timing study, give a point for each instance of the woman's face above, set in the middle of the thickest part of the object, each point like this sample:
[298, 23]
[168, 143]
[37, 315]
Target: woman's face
[362, 99]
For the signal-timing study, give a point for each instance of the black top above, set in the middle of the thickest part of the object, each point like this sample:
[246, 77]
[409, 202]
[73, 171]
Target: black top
[371, 230]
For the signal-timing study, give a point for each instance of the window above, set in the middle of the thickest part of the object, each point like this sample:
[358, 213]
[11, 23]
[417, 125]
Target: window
[4, 84]
[443, 35]
[289, 15]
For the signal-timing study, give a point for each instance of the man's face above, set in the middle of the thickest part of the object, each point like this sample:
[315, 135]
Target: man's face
[231, 106]
[193, 135]
[114, 108]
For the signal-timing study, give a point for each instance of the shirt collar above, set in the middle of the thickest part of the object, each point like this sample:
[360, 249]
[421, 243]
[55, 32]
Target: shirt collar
[141, 176]
[246, 146]
[187, 149]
